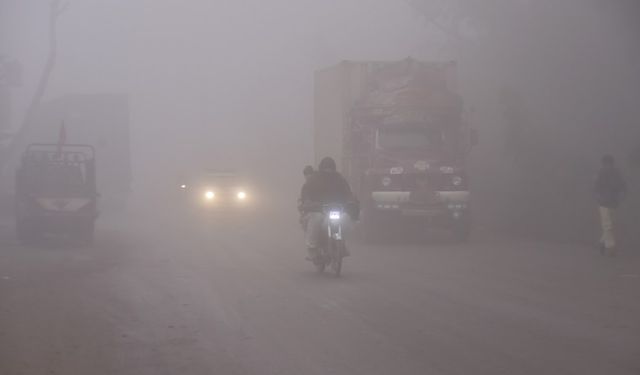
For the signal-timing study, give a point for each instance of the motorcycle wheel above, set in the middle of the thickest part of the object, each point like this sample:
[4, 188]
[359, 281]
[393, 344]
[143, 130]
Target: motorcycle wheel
[336, 255]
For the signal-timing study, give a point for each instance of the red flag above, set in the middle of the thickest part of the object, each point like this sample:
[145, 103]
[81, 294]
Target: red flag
[62, 139]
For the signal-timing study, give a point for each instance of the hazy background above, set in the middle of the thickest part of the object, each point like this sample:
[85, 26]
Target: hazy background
[550, 85]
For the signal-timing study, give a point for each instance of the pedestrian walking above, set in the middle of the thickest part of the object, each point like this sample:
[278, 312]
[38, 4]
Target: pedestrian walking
[609, 188]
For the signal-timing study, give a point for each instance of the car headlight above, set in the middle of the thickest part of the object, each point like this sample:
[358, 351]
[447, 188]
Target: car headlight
[456, 180]
[334, 215]
[209, 195]
[241, 195]
[183, 186]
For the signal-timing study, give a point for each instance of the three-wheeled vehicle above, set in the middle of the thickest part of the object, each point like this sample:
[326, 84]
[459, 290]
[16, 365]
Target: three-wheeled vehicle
[56, 192]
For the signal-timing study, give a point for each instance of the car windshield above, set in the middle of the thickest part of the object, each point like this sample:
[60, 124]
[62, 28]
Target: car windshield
[220, 180]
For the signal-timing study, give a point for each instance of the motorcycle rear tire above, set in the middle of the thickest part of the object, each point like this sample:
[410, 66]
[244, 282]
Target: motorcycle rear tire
[337, 253]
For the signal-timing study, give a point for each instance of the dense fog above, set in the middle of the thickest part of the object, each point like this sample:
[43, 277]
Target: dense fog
[550, 86]
[155, 219]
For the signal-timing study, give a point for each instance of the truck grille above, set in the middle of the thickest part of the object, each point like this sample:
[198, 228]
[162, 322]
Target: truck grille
[409, 182]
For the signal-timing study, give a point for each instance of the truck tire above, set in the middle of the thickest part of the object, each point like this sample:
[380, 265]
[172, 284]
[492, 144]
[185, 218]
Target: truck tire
[87, 234]
[370, 228]
[462, 231]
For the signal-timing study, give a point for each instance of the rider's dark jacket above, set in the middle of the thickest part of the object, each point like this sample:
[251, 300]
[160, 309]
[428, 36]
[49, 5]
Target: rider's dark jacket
[328, 187]
[609, 186]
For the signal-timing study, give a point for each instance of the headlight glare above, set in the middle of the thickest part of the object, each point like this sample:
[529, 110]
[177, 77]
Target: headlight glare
[446, 170]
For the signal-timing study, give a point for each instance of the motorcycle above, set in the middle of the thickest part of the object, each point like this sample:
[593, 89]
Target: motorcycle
[332, 249]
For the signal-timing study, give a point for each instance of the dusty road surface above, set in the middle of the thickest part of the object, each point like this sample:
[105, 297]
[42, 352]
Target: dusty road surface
[192, 296]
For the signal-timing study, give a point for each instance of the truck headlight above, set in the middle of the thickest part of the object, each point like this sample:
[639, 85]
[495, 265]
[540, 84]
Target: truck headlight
[386, 181]
[456, 180]
[457, 206]
[447, 170]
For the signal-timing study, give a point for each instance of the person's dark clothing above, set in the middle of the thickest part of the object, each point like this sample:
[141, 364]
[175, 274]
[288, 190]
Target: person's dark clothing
[609, 187]
[327, 187]
[304, 196]
[304, 192]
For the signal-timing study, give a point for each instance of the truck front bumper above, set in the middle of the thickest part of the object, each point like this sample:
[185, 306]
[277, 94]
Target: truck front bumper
[445, 207]
[56, 223]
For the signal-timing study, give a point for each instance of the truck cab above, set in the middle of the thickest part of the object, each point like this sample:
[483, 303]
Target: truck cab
[56, 192]
[416, 171]
[398, 133]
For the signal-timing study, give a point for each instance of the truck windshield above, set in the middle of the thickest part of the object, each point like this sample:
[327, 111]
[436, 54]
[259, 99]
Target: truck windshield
[409, 138]
[58, 180]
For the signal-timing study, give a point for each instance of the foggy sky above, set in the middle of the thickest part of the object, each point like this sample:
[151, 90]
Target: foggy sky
[231, 72]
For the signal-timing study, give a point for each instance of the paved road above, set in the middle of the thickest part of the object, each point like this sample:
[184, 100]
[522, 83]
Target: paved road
[184, 296]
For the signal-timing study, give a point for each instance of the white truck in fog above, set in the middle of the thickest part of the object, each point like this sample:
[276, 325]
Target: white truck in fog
[99, 120]
[397, 132]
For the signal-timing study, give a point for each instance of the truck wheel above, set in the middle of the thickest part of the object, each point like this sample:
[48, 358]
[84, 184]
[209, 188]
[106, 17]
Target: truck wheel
[462, 231]
[87, 234]
[370, 228]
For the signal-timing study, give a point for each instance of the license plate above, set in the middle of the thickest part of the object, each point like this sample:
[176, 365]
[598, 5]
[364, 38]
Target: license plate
[423, 197]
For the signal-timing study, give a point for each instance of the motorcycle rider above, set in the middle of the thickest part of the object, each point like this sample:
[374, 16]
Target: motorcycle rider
[325, 186]
[609, 187]
[307, 172]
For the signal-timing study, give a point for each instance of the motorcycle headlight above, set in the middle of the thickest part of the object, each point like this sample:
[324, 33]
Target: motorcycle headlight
[209, 195]
[241, 195]
[334, 215]
[456, 180]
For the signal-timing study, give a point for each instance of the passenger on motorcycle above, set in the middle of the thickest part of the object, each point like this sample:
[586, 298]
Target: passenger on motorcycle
[325, 186]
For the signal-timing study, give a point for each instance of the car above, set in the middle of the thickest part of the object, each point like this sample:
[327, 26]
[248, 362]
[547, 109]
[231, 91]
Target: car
[216, 190]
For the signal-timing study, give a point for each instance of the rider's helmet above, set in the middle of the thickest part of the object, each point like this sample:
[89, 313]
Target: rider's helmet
[307, 171]
[327, 165]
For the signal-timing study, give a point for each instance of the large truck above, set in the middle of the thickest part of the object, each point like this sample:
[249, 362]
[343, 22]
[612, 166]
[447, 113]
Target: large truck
[102, 121]
[56, 192]
[398, 133]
